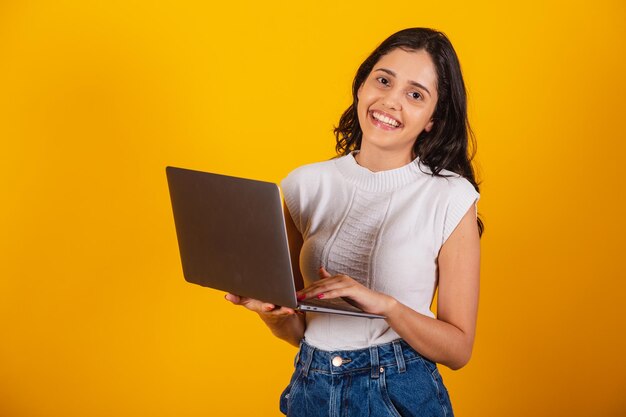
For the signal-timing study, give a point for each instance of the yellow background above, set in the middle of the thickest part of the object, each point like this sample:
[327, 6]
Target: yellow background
[97, 97]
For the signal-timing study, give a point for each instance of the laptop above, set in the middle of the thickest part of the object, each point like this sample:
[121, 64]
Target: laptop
[232, 237]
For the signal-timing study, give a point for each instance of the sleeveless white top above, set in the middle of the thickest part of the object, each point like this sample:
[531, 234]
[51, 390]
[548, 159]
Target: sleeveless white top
[384, 229]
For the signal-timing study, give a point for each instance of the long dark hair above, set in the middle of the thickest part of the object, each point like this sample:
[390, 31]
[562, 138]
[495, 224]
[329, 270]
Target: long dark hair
[446, 145]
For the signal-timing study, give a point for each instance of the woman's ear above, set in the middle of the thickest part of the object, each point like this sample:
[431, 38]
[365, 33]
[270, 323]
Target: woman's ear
[429, 126]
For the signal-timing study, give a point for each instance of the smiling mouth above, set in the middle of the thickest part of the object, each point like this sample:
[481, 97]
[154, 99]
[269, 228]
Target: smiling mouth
[385, 120]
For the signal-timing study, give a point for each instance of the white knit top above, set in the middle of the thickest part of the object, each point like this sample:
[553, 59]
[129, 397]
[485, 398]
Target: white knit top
[384, 229]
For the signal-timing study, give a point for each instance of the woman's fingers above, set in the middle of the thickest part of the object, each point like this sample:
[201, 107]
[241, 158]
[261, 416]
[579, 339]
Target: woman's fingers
[284, 311]
[322, 288]
[258, 306]
[273, 310]
[353, 292]
[249, 303]
[343, 289]
[235, 299]
[267, 307]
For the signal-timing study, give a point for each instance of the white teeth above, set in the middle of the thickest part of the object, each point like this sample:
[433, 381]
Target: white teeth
[385, 119]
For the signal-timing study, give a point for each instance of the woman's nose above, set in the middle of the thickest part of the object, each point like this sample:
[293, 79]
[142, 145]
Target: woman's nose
[391, 100]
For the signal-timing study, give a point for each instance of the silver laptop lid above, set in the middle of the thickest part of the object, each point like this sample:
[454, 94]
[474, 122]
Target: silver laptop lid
[231, 235]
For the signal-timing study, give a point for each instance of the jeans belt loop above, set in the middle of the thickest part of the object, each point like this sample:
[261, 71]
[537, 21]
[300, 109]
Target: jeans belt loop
[308, 358]
[397, 349]
[375, 363]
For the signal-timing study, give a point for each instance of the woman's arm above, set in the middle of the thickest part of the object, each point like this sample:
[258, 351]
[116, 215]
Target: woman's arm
[449, 338]
[284, 322]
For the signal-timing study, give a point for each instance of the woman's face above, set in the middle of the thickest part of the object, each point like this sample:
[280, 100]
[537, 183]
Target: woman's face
[397, 101]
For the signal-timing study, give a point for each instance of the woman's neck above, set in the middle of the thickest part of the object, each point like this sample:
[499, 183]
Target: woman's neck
[379, 160]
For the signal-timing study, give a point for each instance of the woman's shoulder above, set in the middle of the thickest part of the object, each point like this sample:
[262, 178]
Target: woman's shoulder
[303, 186]
[451, 183]
[311, 173]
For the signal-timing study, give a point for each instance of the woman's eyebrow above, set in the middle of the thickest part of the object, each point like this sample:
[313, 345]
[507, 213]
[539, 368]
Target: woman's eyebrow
[413, 83]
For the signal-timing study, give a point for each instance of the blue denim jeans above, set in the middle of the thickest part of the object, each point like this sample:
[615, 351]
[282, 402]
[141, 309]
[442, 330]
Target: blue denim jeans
[384, 380]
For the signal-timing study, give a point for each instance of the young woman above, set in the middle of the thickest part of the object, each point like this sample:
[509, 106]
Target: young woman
[383, 225]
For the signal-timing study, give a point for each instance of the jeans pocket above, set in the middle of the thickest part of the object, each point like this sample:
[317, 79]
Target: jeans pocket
[386, 399]
[287, 394]
[442, 393]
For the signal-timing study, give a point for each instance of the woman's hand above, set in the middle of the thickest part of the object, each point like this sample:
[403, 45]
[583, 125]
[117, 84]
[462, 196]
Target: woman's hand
[268, 310]
[284, 322]
[343, 286]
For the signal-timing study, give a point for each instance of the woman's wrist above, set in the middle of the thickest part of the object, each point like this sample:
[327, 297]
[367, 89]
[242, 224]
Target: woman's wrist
[390, 306]
[286, 327]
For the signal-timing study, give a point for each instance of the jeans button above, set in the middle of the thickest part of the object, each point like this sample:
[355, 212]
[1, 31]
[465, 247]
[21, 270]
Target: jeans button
[337, 361]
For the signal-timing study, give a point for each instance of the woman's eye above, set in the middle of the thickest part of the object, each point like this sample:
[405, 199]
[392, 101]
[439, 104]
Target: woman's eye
[415, 95]
[382, 80]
